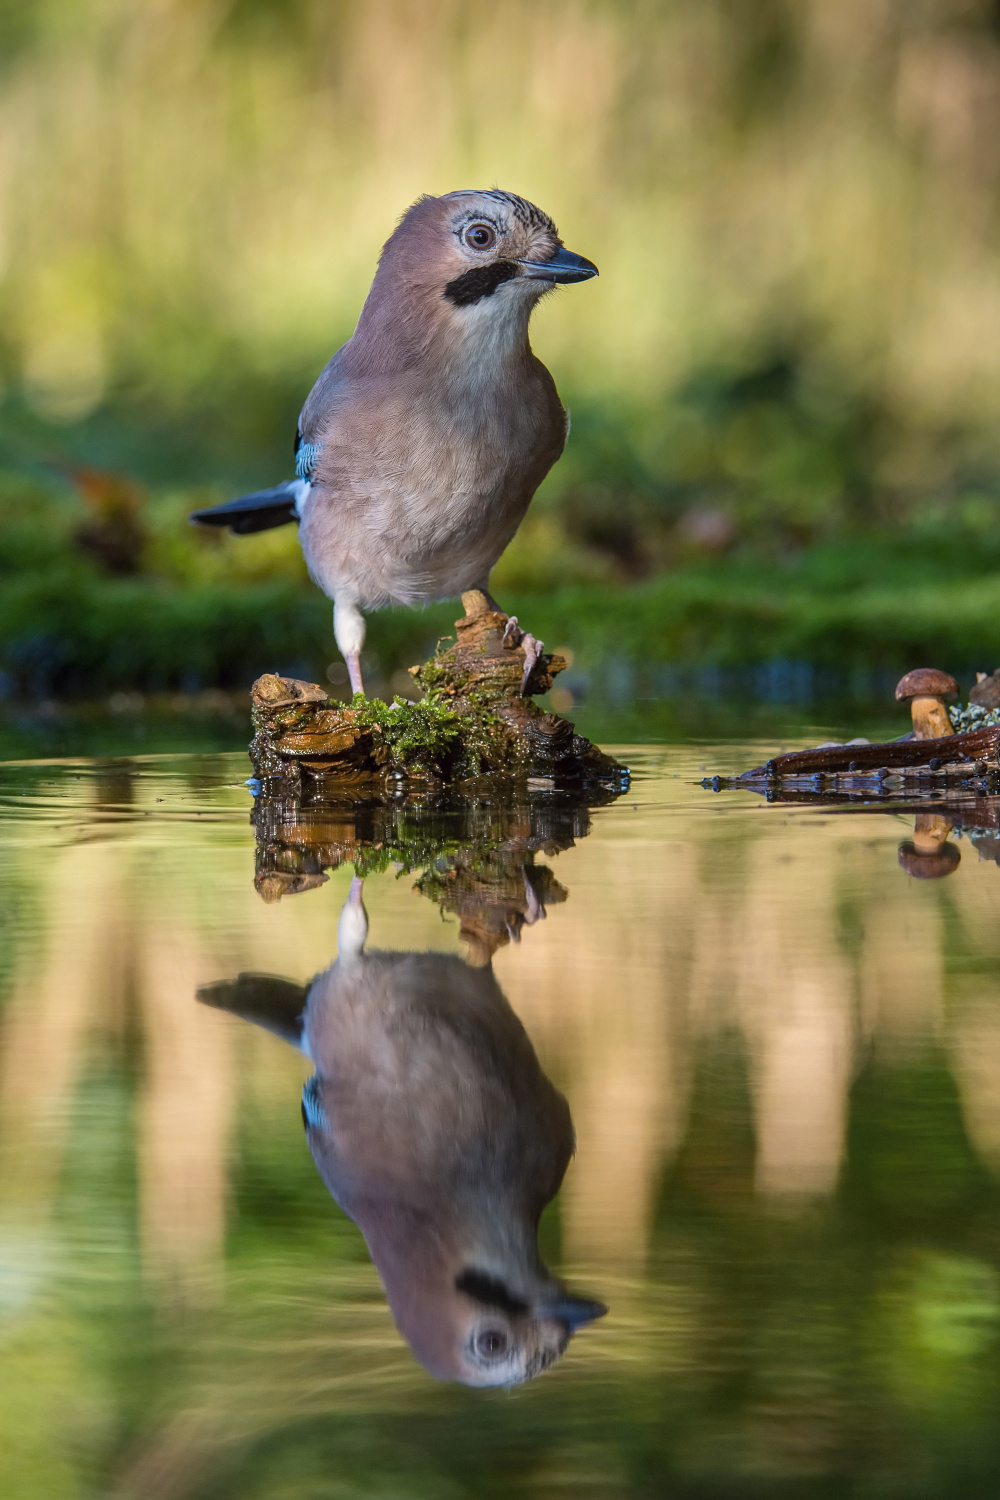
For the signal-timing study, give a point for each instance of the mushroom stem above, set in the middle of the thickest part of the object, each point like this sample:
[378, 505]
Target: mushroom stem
[929, 832]
[930, 718]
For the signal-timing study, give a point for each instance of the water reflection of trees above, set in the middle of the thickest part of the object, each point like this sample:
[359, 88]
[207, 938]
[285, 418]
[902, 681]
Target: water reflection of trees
[813, 950]
[748, 1017]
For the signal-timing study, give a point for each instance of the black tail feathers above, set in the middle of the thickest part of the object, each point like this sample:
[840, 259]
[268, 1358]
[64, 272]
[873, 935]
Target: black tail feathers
[257, 512]
[276, 1004]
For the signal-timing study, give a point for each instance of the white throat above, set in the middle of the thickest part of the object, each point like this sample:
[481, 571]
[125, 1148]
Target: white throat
[484, 338]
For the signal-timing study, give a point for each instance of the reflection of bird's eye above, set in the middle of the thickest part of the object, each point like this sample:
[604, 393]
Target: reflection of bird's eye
[491, 1343]
[480, 236]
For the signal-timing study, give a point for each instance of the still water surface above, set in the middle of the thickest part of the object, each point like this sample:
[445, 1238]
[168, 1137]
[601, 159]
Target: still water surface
[779, 1049]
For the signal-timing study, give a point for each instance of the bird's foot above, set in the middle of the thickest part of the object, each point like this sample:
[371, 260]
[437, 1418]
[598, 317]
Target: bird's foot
[536, 911]
[514, 636]
[532, 652]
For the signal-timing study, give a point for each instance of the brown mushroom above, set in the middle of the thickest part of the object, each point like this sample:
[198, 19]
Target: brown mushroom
[986, 692]
[928, 866]
[926, 690]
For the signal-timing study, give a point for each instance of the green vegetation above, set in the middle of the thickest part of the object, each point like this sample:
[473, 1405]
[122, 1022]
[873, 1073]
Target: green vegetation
[428, 735]
[197, 610]
[784, 384]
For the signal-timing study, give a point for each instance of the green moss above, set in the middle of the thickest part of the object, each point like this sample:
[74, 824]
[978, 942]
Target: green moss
[972, 716]
[414, 734]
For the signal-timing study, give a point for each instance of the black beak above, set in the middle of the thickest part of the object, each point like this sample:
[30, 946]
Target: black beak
[564, 266]
[575, 1312]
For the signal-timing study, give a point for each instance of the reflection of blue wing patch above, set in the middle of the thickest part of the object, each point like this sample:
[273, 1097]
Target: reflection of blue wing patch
[306, 458]
[313, 1115]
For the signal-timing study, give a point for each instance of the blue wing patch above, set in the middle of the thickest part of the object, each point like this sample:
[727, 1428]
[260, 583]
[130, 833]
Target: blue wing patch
[306, 458]
[313, 1114]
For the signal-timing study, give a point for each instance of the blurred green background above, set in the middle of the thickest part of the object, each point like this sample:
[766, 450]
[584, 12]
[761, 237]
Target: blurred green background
[784, 385]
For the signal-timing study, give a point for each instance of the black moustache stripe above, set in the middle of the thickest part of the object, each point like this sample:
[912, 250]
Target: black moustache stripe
[489, 1291]
[482, 281]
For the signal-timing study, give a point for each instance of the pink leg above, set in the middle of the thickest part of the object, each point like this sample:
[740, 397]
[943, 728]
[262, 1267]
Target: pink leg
[353, 660]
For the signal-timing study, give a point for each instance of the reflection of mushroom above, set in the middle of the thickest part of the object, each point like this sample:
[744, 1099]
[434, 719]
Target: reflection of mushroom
[929, 832]
[926, 690]
[927, 855]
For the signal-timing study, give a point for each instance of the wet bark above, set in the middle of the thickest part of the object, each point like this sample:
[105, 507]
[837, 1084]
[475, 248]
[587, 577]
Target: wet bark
[473, 724]
[953, 752]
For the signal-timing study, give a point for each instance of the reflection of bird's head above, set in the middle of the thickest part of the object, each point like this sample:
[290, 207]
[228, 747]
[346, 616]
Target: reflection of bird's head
[483, 1328]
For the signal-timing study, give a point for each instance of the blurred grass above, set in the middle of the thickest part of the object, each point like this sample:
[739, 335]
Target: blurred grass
[783, 385]
[195, 610]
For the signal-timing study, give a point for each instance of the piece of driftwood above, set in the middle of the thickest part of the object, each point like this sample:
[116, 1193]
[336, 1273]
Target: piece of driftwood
[473, 722]
[952, 753]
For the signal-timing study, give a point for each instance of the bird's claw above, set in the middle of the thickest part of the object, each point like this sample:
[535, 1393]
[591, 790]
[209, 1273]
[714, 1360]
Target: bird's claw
[536, 911]
[514, 636]
[532, 652]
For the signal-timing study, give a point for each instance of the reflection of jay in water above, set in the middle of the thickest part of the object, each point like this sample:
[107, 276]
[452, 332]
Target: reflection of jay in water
[436, 1130]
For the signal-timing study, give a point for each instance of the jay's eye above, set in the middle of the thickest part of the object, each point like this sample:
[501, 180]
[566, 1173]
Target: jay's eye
[491, 1343]
[480, 236]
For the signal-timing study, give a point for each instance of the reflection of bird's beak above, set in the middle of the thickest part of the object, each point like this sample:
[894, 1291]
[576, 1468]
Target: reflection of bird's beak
[575, 1312]
[564, 266]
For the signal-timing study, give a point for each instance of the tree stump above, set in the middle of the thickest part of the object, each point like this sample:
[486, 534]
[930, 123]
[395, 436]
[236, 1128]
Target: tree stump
[473, 724]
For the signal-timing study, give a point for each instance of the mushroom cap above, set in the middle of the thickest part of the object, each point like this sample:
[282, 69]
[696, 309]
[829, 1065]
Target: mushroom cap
[928, 866]
[986, 691]
[926, 682]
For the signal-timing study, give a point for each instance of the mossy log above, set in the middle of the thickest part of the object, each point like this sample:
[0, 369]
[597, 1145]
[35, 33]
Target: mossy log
[473, 722]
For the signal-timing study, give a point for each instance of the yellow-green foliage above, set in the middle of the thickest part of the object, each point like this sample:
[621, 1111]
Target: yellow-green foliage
[794, 334]
[198, 189]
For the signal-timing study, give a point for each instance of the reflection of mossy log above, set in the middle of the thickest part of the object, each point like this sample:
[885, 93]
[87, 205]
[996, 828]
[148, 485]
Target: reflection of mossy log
[463, 845]
[472, 722]
[493, 893]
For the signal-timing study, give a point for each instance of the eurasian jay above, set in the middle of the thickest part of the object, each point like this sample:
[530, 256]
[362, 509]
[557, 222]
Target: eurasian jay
[423, 441]
[435, 1129]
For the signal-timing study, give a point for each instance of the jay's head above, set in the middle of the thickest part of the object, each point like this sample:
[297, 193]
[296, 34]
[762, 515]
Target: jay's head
[479, 256]
[498, 1320]
[489, 1333]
